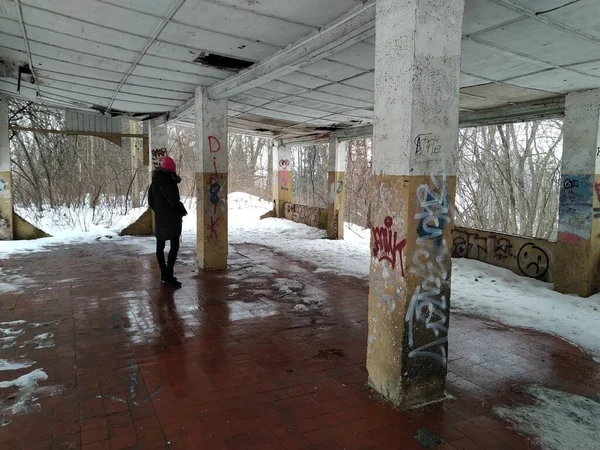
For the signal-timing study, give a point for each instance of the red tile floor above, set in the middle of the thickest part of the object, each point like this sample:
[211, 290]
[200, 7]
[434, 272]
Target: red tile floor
[227, 363]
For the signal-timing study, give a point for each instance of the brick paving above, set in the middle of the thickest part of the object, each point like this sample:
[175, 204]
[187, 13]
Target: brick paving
[228, 363]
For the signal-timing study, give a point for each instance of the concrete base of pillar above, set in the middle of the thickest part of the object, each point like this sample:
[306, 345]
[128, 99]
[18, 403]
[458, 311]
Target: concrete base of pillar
[212, 232]
[6, 206]
[24, 231]
[409, 293]
[144, 226]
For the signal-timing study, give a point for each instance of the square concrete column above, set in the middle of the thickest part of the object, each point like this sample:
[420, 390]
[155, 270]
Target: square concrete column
[6, 190]
[577, 261]
[337, 188]
[212, 161]
[415, 137]
[282, 174]
[157, 136]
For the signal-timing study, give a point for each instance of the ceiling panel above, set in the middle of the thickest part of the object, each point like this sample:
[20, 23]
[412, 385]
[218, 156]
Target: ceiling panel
[506, 93]
[219, 18]
[543, 42]
[7, 9]
[582, 16]
[483, 14]
[364, 81]
[72, 27]
[153, 7]
[330, 70]
[470, 80]
[11, 27]
[179, 66]
[348, 91]
[481, 60]
[558, 80]
[49, 37]
[158, 92]
[591, 68]
[337, 99]
[311, 12]
[196, 39]
[361, 55]
[304, 80]
[164, 84]
[171, 75]
[97, 13]
[315, 104]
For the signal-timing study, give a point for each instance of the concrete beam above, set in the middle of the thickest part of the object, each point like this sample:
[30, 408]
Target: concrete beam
[356, 26]
[521, 112]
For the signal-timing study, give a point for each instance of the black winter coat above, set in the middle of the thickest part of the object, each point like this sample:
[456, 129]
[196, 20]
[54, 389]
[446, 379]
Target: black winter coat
[163, 198]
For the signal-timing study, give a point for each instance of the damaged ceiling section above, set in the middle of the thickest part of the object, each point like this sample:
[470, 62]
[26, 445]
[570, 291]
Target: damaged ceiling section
[295, 70]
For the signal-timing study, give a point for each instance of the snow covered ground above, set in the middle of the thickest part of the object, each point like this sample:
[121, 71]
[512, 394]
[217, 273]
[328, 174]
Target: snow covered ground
[477, 289]
[558, 420]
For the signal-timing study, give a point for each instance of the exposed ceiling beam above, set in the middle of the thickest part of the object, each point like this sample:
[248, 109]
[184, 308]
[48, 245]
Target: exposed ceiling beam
[163, 23]
[351, 28]
[522, 112]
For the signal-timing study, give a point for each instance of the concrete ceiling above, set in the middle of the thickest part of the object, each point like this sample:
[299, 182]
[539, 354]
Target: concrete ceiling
[314, 59]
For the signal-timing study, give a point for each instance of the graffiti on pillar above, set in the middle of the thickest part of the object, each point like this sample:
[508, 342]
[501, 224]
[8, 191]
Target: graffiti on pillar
[427, 145]
[336, 223]
[157, 156]
[3, 185]
[576, 209]
[340, 186]
[285, 176]
[427, 315]
[386, 246]
[211, 228]
[215, 190]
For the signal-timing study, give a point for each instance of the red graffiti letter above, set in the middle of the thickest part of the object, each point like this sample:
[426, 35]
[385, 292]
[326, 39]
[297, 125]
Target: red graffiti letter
[213, 144]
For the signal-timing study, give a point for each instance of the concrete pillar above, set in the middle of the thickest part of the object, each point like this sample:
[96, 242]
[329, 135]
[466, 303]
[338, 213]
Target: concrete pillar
[211, 181]
[157, 135]
[337, 188]
[577, 260]
[415, 136]
[6, 191]
[282, 173]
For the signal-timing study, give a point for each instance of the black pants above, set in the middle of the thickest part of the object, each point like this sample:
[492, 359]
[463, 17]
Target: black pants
[166, 268]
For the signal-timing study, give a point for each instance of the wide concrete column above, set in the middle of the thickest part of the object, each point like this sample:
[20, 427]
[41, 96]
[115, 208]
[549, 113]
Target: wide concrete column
[282, 174]
[337, 188]
[577, 260]
[415, 137]
[6, 190]
[211, 181]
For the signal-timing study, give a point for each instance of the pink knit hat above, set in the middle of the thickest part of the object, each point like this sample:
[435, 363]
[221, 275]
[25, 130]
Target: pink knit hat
[168, 164]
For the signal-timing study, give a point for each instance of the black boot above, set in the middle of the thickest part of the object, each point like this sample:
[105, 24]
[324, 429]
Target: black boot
[169, 280]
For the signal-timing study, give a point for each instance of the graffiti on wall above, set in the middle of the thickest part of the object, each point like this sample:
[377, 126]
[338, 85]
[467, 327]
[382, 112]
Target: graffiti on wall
[575, 211]
[3, 185]
[427, 315]
[512, 252]
[340, 186]
[308, 215]
[386, 246]
[157, 156]
[336, 224]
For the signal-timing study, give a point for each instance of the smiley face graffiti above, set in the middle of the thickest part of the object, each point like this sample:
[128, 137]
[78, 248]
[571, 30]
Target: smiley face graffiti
[533, 261]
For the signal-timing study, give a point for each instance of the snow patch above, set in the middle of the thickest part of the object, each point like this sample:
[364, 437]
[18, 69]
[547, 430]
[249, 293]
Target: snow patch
[28, 391]
[7, 365]
[558, 420]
